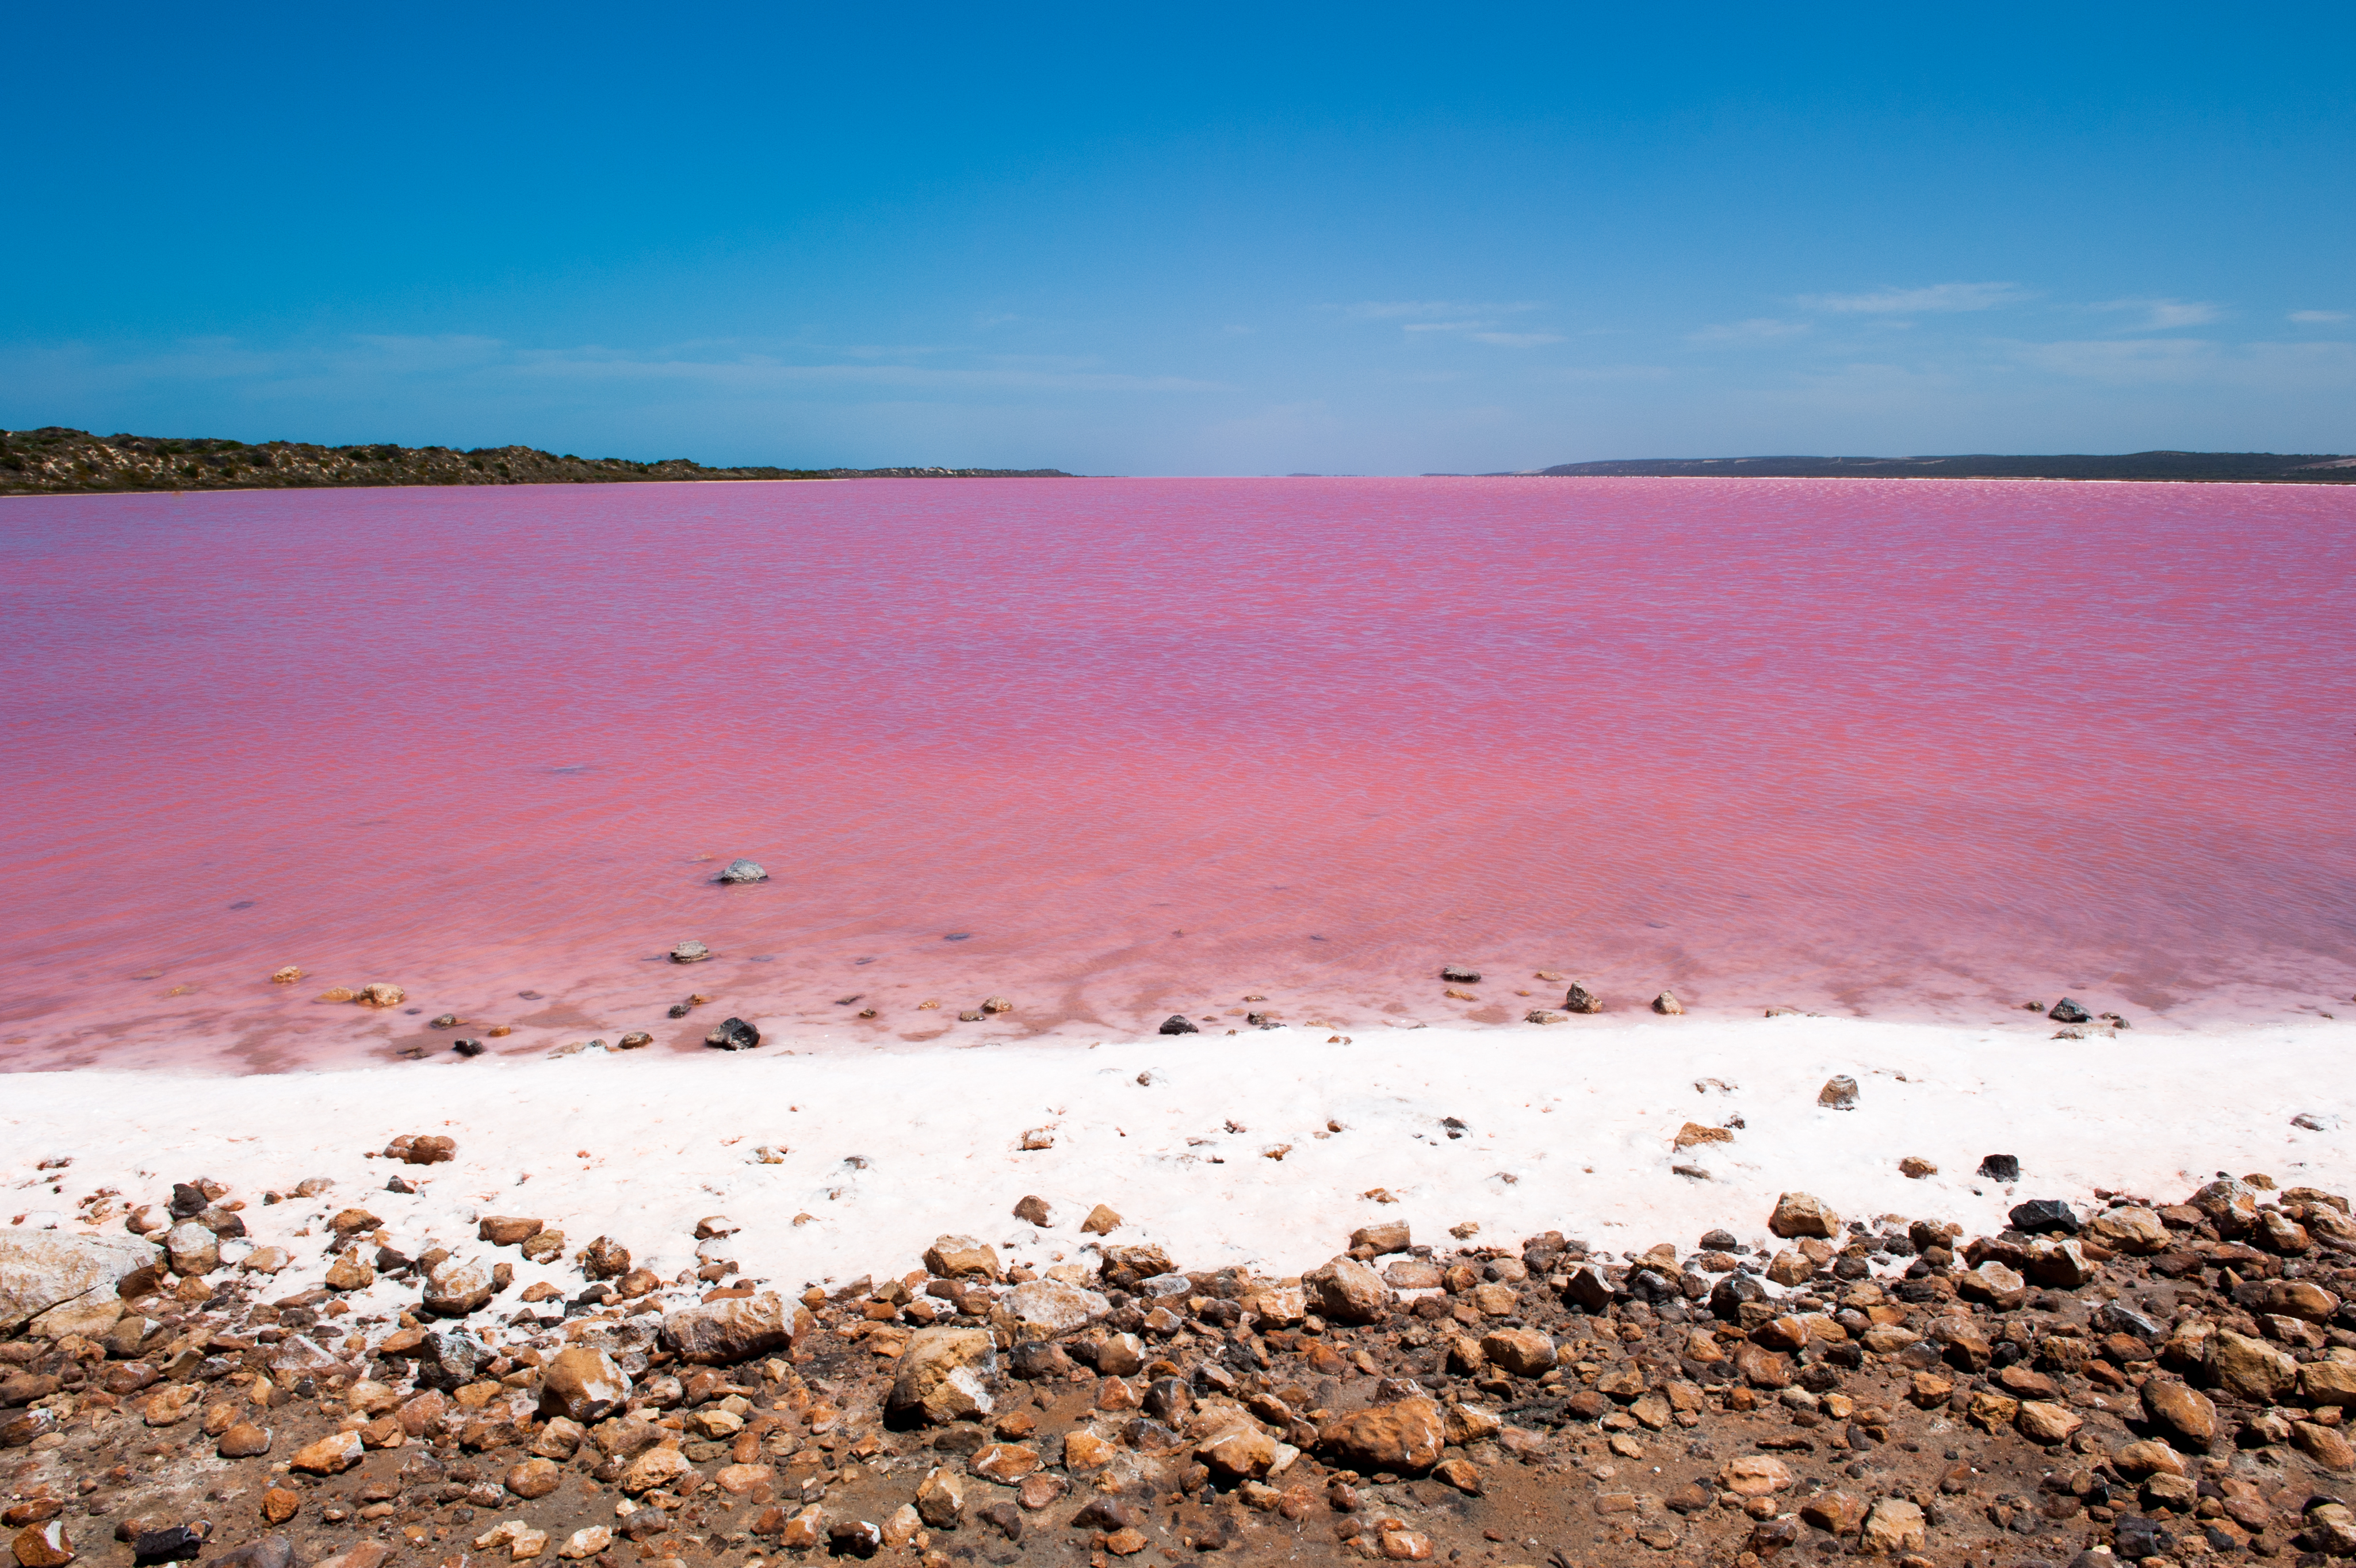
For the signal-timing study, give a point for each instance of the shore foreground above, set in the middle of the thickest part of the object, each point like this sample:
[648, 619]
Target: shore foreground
[1434, 1296]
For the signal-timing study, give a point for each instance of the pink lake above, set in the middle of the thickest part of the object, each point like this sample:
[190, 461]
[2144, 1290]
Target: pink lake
[1913, 749]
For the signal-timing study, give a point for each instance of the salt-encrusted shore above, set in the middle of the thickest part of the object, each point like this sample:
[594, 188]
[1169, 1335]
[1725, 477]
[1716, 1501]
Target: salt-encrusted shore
[1567, 1129]
[362, 1343]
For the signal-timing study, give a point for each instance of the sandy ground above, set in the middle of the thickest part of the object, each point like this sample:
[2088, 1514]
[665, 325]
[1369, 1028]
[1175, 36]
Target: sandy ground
[1561, 1128]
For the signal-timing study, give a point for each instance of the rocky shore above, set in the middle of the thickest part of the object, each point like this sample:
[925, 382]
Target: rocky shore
[2135, 1379]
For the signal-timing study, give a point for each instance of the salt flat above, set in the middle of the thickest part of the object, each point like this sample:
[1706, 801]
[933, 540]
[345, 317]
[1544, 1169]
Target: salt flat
[1568, 1128]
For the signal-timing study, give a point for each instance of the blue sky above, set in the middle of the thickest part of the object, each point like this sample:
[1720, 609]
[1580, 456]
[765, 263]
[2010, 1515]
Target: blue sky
[1187, 240]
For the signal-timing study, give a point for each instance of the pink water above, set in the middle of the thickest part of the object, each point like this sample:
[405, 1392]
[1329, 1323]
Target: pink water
[1920, 749]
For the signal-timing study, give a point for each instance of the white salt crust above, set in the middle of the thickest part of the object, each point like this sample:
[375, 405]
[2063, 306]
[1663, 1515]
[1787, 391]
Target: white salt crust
[1565, 1128]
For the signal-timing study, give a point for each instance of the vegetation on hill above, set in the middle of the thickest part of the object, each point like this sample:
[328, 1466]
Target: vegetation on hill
[57, 460]
[2246, 467]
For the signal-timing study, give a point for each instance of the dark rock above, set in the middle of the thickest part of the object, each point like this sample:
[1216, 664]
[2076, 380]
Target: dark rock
[733, 1035]
[1726, 1298]
[854, 1538]
[2068, 1012]
[1460, 973]
[741, 871]
[1177, 1024]
[1578, 999]
[2044, 1216]
[1109, 1514]
[177, 1543]
[1003, 1518]
[1040, 1359]
[467, 1048]
[1720, 1241]
[445, 1021]
[447, 1359]
[2001, 1168]
[187, 1200]
[2113, 1318]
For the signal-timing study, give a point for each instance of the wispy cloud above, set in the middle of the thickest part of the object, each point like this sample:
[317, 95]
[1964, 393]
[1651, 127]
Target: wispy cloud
[2317, 318]
[1938, 298]
[2163, 315]
[1758, 330]
[1428, 309]
[1517, 339]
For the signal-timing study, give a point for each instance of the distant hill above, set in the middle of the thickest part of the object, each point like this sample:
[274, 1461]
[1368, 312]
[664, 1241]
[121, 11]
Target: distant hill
[2264, 468]
[57, 460]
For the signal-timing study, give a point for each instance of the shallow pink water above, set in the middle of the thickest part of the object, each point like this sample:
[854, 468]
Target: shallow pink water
[1903, 749]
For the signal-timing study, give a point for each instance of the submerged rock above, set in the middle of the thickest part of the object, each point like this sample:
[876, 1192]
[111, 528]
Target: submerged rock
[741, 871]
[1461, 974]
[690, 952]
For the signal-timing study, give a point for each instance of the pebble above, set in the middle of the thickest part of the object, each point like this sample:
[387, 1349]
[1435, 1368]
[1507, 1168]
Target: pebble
[1840, 1093]
[1177, 1024]
[1578, 999]
[1667, 1003]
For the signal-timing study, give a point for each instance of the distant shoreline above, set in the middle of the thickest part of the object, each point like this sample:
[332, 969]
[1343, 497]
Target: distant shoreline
[2181, 468]
[56, 460]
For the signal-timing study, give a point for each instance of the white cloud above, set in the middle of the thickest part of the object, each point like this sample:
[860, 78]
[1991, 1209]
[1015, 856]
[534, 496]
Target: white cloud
[1748, 334]
[2317, 318]
[1517, 339]
[1930, 299]
[2162, 315]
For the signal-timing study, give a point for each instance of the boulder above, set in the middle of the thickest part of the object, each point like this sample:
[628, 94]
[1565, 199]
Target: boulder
[1800, 1214]
[741, 870]
[2250, 1368]
[961, 1257]
[456, 1286]
[580, 1384]
[1524, 1352]
[2137, 1233]
[1895, 1526]
[940, 1376]
[722, 1332]
[1050, 1308]
[192, 1248]
[1404, 1438]
[1346, 1291]
[40, 1270]
[2184, 1415]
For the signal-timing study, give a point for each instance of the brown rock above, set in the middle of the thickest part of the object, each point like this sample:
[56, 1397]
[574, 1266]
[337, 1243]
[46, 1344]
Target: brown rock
[44, 1545]
[424, 1414]
[2328, 1382]
[1916, 1168]
[330, 1455]
[2041, 1420]
[1347, 1290]
[2137, 1460]
[279, 1504]
[244, 1441]
[2137, 1233]
[722, 1333]
[1524, 1352]
[1799, 1214]
[1896, 1525]
[2302, 1299]
[1084, 1450]
[2249, 1368]
[1693, 1133]
[1990, 1410]
[431, 1149]
[501, 1230]
[940, 1499]
[1005, 1463]
[1240, 1452]
[1578, 999]
[603, 1259]
[662, 1466]
[1790, 1267]
[1836, 1513]
[2323, 1445]
[1404, 1438]
[1840, 1093]
[1754, 1476]
[1761, 1368]
[582, 1385]
[1667, 1003]
[961, 1257]
[169, 1406]
[1102, 1221]
[532, 1478]
[347, 1273]
[2185, 1415]
[940, 1376]
[1033, 1211]
[737, 1480]
[1391, 1235]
